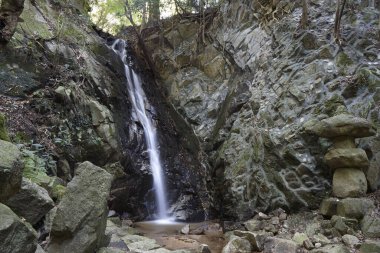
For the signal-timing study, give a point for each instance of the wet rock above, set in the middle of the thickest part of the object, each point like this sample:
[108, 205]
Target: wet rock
[237, 244]
[341, 125]
[10, 170]
[16, 236]
[349, 183]
[32, 202]
[278, 245]
[370, 246]
[328, 207]
[331, 249]
[354, 207]
[350, 240]
[80, 220]
[347, 158]
[370, 226]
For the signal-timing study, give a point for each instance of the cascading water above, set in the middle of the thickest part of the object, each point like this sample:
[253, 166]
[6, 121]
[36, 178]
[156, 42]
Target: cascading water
[139, 100]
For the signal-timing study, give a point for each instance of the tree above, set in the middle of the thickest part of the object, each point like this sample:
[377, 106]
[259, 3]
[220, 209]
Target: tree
[305, 15]
[10, 11]
[338, 18]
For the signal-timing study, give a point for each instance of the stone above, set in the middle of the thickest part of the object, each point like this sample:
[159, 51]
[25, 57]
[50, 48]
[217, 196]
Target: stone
[3, 129]
[321, 239]
[143, 245]
[344, 225]
[370, 226]
[279, 245]
[254, 225]
[328, 207]
[308, 244]
[256, 239]
[203, 248]
[263, 216]
[237, 244]
[110, 250]
[334, 248]
[342, 142]
[40, 249]
[16, 236]
[354, 207]
[282, 216]
[347, 158]
[341, 125]
[318, 245]
[185, 230]
[80, 219]
[350, 240]
[32, 202]
[299, 238]
[10, 170]
[349, 183]
[370, 246]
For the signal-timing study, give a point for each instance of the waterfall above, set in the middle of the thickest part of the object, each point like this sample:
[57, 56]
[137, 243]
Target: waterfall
[139, 100]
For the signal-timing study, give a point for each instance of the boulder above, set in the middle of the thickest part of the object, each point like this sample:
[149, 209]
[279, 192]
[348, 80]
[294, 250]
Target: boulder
[328, 206]
[80, 219]
[334, 248]
[254, 225]
[347, 158]
[349, 182]
[350, 240]
[10, 170]
[343, 142]
[32, 202]
[370, 246]
[299, 238]
[341, 125]
[203, 248]
[278, 245]
[256, 239]
[16, 236]
[344, 225]
[370, 226]
[237, 244]
[354, 207]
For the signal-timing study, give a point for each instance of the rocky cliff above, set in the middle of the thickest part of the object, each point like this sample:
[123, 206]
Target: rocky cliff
[246, 78]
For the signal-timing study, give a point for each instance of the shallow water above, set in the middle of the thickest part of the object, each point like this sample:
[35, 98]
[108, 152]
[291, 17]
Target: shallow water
[167, 234]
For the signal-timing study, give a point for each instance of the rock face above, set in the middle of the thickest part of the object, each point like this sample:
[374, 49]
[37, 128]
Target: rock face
[16, 236]
[249, 89]
[10, 170]
[32, 202]
[80, 220]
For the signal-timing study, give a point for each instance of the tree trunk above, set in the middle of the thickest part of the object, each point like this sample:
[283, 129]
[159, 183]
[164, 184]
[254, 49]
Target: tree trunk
[338, 18]
[154, 10]
[10, 11]
[305, 15]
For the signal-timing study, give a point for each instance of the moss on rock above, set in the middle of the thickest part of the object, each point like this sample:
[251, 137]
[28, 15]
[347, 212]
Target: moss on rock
[3, 129]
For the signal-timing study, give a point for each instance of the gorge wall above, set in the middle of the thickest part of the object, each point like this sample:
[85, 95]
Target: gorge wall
[247, 78]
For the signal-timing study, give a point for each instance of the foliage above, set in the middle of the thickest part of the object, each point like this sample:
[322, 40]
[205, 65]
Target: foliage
[110, 15]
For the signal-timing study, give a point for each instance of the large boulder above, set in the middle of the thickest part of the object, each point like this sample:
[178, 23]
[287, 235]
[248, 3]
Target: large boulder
[32, 202]
[80, 220]
[237, 244]
[16, 236]
[354, 207]
[341, 125]
[10, 170]
[328, 206]
[370, 225]
[279, 245]
[348, 182]
[347, 158]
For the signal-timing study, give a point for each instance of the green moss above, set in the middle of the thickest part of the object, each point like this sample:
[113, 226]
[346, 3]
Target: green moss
[20, 137]
[343, 60]
[34, 168]
[366, 77]
[3, 129]
[335, 105]
[58, 192]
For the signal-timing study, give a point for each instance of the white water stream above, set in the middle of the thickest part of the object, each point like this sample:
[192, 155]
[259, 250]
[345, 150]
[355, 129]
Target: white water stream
[139, 100]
